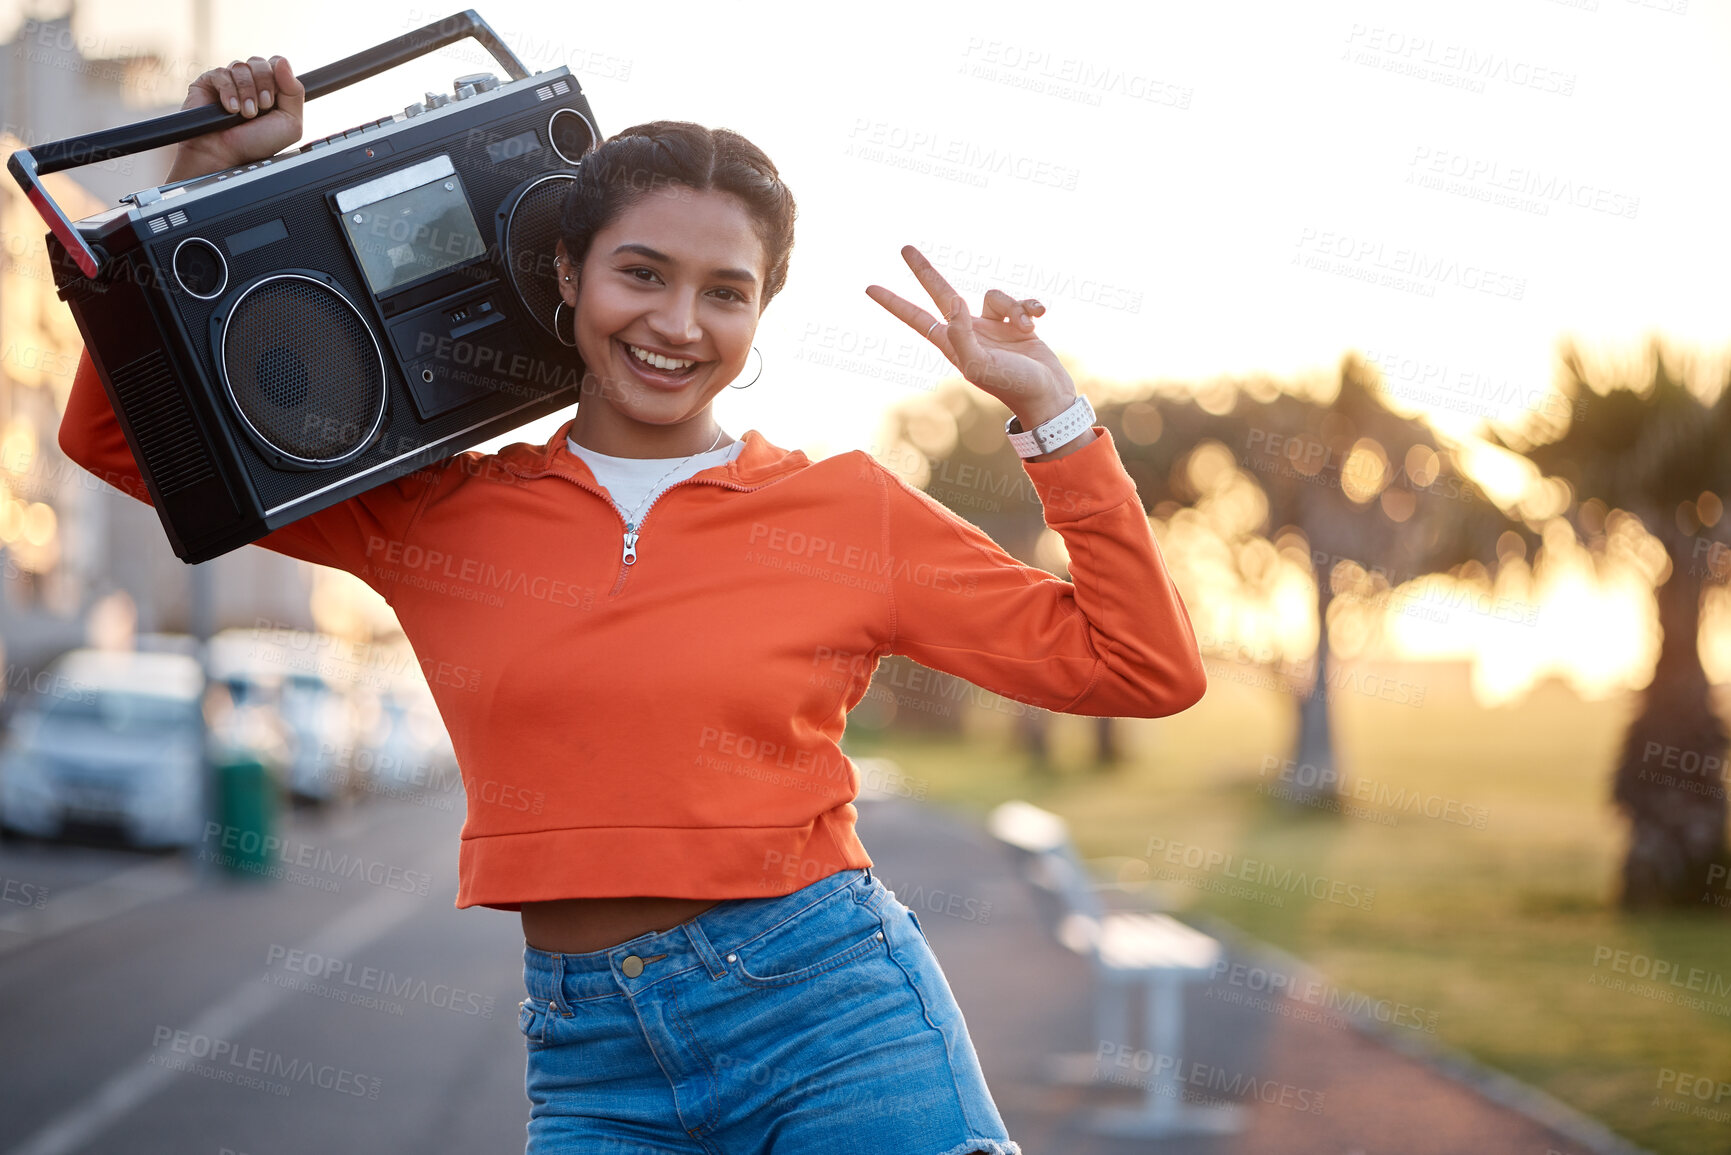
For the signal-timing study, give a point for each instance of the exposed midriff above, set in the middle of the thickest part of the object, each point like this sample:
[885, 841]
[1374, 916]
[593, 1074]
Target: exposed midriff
[581, 925]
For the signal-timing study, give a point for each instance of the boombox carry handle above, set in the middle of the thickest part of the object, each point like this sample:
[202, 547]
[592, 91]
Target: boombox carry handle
[28, 165]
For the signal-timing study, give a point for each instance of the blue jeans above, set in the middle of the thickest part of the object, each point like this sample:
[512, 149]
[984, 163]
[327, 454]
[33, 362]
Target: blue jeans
[817, 1021]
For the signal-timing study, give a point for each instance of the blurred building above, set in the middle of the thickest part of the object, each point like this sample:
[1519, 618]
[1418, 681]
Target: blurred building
[66, 540]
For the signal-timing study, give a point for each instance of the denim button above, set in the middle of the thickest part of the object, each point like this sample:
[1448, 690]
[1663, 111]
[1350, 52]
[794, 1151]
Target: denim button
[631, 965]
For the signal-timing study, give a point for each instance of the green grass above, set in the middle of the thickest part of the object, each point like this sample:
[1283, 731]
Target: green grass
[1495, 930]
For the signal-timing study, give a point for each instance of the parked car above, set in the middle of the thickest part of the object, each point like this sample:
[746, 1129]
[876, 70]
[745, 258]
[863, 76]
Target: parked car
[316, 714]
[112, 739]
[322, 717]
[404, 749]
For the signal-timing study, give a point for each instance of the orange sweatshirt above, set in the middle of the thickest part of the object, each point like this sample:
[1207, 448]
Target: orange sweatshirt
[673, 726]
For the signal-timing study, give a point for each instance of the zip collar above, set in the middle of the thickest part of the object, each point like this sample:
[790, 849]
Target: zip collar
[759, 462]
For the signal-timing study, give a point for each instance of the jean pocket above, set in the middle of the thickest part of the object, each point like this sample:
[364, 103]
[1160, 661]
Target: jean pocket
[834, 931]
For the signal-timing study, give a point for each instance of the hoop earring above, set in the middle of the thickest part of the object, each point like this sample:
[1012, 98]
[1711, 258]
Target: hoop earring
[560, 333]
[753, 381]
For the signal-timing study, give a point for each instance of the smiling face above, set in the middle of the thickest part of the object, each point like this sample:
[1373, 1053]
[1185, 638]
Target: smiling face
[678, 278]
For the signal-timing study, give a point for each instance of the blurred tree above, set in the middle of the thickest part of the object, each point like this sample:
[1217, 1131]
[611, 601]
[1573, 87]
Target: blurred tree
[1375, 498]
[1642, 441]
[1364, 497]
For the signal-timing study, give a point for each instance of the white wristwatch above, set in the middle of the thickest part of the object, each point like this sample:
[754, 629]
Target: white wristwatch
[1043, 438]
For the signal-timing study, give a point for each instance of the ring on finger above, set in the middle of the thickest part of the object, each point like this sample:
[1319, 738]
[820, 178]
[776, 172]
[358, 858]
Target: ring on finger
[935, 324]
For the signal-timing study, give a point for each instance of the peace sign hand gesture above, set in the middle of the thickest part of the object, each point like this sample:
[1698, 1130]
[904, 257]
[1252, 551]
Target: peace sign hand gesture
[997, 351]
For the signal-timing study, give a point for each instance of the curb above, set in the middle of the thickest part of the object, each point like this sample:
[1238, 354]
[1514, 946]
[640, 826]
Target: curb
[1497, 1086]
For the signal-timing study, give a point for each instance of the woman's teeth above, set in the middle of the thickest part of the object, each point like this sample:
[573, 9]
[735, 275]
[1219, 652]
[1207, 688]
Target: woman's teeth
[666, 364]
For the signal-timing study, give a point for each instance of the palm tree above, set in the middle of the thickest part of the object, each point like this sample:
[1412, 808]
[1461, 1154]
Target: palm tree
[1358, 482]
[1362, 484]
[1645, 443]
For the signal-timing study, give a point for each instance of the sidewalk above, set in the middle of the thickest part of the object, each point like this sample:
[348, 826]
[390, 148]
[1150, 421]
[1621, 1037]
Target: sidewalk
[1026, 997]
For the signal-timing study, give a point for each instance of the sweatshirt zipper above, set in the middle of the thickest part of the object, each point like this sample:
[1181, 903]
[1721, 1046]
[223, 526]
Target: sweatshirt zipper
[631, 533]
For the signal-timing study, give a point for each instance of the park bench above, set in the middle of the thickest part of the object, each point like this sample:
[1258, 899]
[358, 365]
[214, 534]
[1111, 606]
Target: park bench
[1127, 950]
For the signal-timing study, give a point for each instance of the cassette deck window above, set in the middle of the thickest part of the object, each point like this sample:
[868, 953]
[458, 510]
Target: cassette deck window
[410, 223]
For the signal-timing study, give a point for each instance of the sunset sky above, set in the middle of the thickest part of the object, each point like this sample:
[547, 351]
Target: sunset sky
[1192, 189]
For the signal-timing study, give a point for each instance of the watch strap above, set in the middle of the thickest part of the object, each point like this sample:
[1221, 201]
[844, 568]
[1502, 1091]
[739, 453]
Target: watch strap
[1048, 435]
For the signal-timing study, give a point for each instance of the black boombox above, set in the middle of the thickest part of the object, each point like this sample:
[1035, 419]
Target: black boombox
[282, 336]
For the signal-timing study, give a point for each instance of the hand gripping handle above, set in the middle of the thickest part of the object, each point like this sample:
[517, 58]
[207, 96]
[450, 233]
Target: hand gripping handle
[29, 165]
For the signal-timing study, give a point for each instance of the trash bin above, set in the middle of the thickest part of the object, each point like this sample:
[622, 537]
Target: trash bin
[246, 808]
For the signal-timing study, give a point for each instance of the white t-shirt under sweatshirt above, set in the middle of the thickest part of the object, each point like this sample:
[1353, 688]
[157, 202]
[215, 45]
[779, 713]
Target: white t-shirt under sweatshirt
[632, 482]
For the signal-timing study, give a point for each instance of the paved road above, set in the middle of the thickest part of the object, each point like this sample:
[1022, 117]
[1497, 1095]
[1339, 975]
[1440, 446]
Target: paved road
[148, 1007]
[369, 1017]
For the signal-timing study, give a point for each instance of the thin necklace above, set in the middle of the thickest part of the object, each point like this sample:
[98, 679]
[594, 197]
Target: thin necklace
[631, 521]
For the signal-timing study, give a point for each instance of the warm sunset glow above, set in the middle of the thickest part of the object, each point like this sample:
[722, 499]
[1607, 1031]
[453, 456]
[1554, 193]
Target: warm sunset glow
[1365, 471]
[1504, 476]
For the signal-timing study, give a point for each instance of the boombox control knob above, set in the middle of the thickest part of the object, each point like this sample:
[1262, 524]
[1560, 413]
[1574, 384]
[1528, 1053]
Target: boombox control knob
[477, 81]
[436, 100]
[414, 109]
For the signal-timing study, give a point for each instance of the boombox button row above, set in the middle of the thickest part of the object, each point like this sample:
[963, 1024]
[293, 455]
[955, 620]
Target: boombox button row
[346, 134]
[240, 171]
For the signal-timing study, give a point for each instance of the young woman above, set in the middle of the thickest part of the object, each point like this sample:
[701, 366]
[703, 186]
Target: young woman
[645, 636]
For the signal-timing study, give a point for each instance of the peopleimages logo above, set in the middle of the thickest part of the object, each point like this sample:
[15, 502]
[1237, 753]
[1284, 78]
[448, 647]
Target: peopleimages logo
[1400, 266]
[1180, 1078]
[242, 844]
[1660, 970]
[1704, 1089]
[336, 977]
[23, 893]
[255, 1067]
[1259, 873]
[778, 755]
[1397, 799]
[814, 550]
[1514, 186]
[1286, 988]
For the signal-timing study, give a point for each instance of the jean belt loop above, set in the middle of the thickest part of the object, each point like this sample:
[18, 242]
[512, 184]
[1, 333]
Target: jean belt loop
[556, 1000]
[700, 943]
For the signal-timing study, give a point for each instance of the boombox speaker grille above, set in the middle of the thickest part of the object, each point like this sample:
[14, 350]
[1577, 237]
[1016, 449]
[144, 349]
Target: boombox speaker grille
[531, 231]
[303, 369]
[168, 438]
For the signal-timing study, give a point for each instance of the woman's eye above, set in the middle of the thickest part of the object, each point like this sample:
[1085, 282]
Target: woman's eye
[732, 294]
